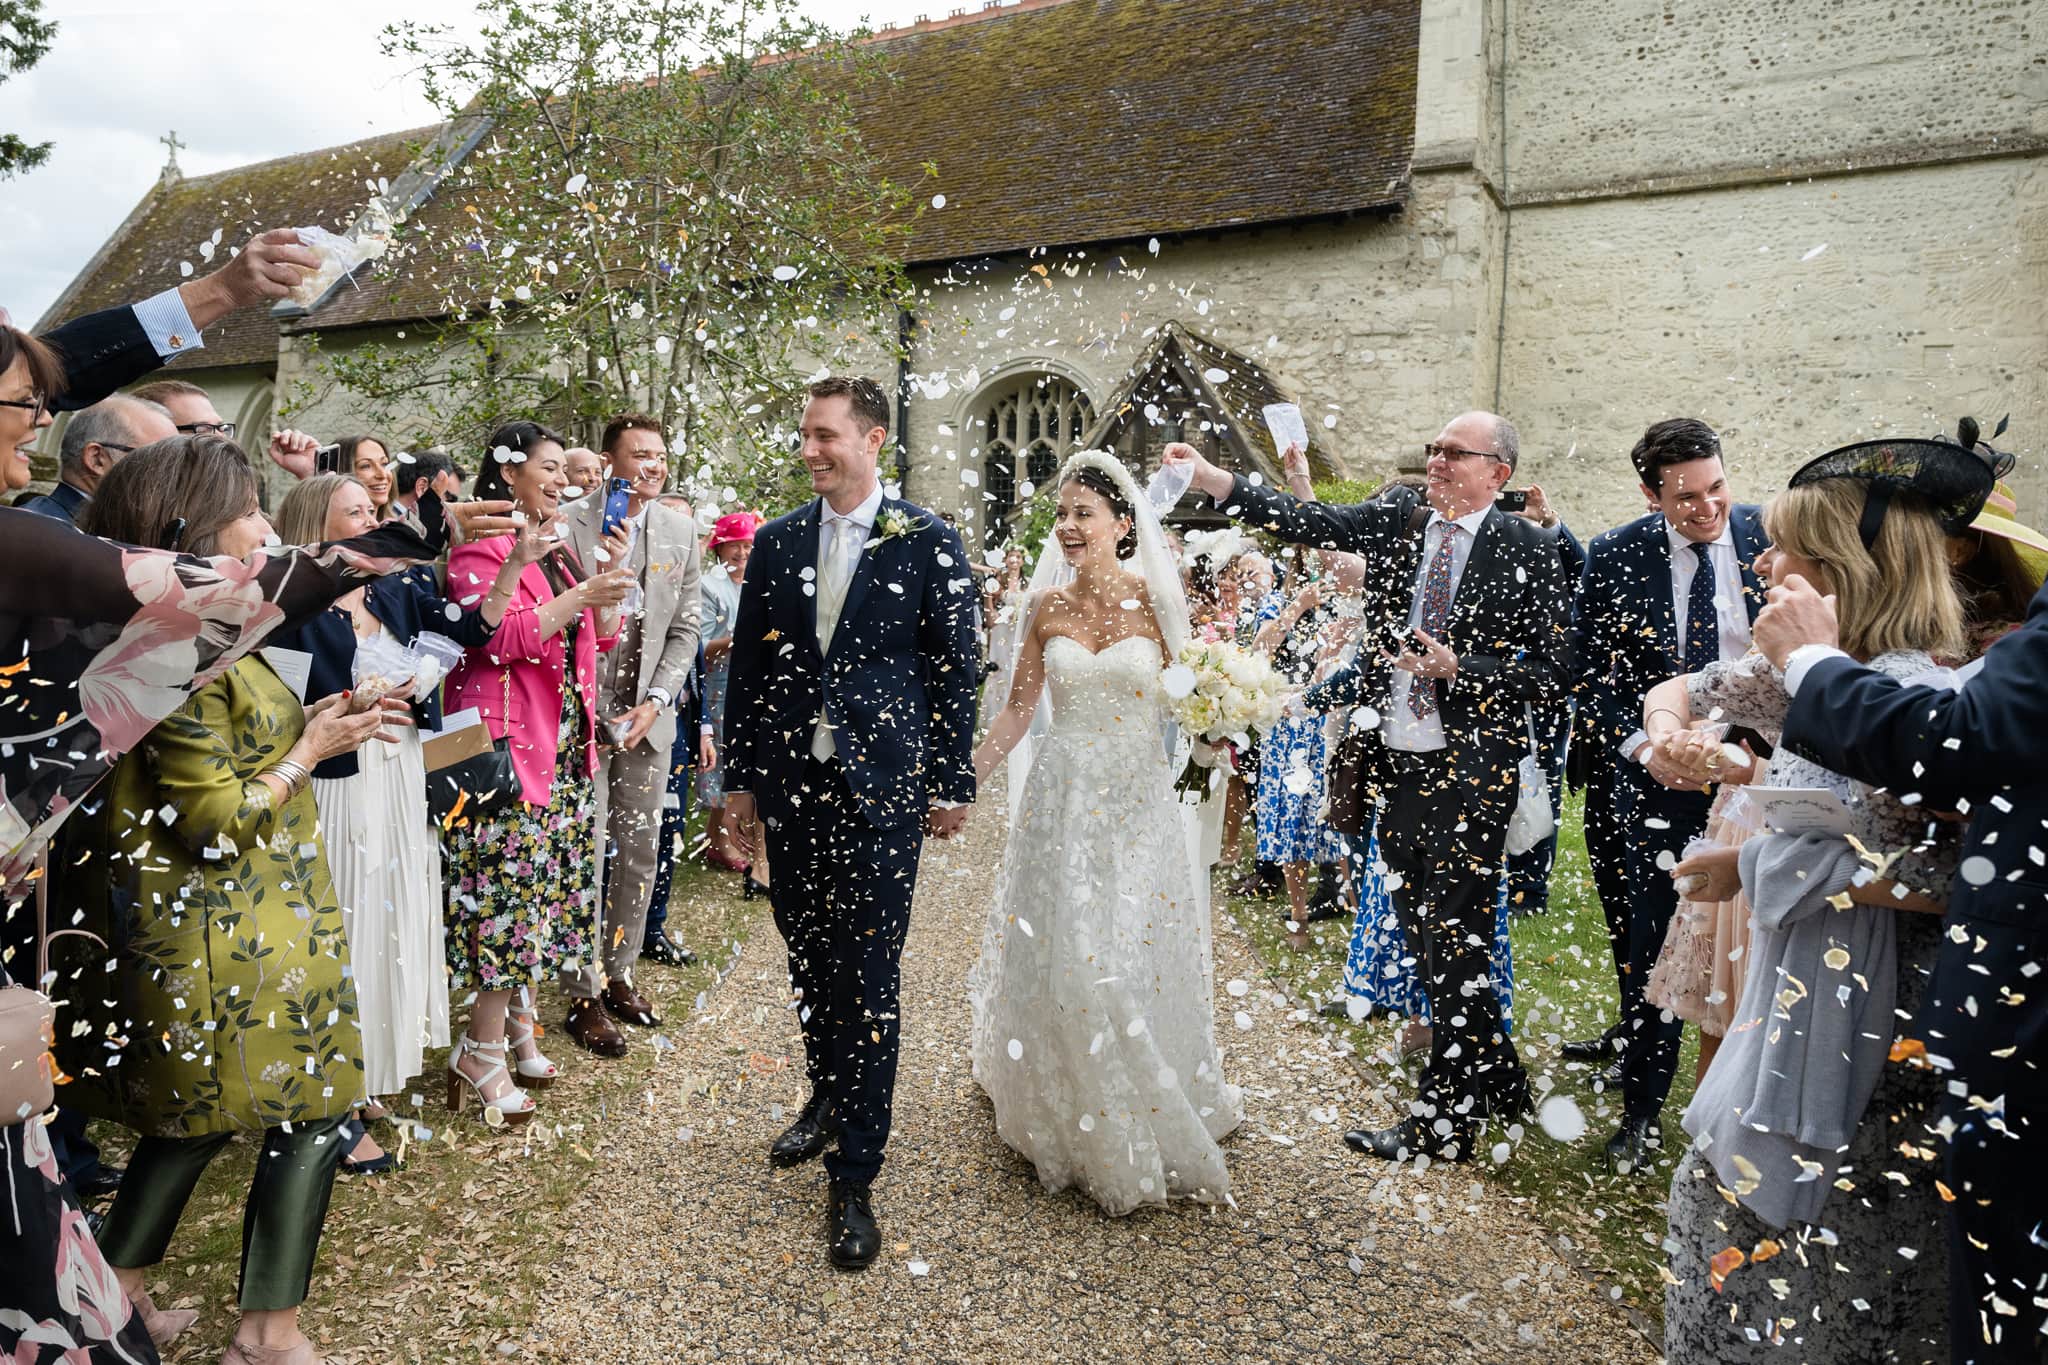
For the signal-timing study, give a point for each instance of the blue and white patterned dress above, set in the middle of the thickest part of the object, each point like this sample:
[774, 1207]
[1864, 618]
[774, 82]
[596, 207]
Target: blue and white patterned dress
[1382, 972]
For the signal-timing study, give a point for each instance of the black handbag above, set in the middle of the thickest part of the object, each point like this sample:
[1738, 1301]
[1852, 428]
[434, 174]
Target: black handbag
[480, 786]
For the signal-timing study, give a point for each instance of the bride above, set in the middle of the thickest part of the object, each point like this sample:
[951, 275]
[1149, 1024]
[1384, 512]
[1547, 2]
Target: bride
[1094, 1030]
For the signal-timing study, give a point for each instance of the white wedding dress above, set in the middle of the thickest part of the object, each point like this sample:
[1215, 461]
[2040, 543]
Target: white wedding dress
[1094, 1022]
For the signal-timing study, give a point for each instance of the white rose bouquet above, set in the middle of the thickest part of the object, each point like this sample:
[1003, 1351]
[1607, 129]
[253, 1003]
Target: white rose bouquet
[1219, 692]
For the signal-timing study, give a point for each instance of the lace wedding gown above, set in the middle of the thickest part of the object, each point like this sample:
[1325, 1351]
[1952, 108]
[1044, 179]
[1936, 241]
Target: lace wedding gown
[1094, 1027]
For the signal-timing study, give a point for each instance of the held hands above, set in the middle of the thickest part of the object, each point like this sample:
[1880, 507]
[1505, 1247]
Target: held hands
[746, 826]
[1427, 658]
[944, 822]
[1795, 615]
[1702, 758]
[1667, 773]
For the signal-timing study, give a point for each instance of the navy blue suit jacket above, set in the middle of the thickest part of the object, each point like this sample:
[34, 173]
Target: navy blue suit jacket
[1624, 632]
[898, 683]
[62, 503]
[101, 352]
[1985, 750]
[405, 604]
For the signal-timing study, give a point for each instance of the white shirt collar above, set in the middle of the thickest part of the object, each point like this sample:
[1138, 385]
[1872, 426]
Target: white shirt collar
[862, 516]
[1679, 540]
[1469, 523]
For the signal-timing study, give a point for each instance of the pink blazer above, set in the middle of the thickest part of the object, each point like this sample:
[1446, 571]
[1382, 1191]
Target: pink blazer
[533, 667]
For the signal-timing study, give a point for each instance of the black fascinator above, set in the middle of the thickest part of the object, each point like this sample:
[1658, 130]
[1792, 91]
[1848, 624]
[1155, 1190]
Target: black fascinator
[1953, 477]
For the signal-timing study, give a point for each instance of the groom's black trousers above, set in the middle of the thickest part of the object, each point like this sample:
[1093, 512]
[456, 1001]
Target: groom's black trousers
[841, 890]
[1444, 831]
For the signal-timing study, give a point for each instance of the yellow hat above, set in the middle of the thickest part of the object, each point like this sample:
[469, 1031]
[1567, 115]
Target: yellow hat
[1998, 519]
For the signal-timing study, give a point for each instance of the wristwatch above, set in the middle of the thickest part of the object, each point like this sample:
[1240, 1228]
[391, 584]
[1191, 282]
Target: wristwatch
[660, 697]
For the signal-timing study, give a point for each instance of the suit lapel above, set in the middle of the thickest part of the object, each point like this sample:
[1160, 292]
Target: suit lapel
[864, 570]
[1749, 543]
[1657, 582]
[804, 528]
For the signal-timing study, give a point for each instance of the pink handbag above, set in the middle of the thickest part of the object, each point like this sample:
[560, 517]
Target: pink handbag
[28, 1024]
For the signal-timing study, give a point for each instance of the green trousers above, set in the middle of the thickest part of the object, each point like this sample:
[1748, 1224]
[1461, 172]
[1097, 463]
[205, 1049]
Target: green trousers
[288, 1197]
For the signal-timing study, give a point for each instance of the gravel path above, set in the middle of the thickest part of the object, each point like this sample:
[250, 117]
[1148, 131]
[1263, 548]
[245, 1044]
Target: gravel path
[694, 1249]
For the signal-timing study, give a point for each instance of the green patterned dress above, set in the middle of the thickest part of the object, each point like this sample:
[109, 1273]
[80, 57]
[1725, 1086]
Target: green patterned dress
[230, 1007]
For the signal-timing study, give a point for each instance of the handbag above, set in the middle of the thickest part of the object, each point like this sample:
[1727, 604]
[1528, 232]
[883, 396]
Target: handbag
[28, 1025]
[1532, 821]
[480, 786]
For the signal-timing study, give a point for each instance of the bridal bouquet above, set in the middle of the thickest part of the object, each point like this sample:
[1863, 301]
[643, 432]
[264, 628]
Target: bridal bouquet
[1219, 692]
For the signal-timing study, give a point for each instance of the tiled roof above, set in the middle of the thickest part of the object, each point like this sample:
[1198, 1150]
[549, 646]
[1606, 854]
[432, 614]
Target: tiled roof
[1050, 124]
[324, 189]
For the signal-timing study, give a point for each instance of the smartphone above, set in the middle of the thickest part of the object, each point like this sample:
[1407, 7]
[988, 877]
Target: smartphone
[1512, 500]
[327, 460]
[616, 493]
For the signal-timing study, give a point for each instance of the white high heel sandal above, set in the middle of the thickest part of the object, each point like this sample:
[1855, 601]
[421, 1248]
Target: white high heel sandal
[535, 1072]
[515, 1106]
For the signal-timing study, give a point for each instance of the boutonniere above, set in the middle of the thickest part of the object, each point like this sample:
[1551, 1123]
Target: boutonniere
[893, 523]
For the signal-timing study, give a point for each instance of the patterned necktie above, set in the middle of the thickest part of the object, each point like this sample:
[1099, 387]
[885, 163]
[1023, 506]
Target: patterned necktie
[835, 573]
[1702, 620]
[1436, 610]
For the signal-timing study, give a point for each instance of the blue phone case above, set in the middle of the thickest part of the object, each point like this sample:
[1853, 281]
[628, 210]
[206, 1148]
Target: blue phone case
[615, 505]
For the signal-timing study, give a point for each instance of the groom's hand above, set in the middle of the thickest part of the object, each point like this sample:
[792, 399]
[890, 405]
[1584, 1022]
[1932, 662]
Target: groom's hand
[943, 822]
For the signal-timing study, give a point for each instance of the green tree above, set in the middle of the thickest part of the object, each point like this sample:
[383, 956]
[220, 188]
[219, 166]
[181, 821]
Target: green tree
[671, 210]
[24, 40]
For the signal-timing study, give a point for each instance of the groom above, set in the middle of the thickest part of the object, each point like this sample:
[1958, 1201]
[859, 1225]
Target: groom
[849, 731]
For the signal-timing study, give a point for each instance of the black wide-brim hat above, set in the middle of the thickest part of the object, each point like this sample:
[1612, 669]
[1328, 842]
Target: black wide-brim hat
[1953, 478]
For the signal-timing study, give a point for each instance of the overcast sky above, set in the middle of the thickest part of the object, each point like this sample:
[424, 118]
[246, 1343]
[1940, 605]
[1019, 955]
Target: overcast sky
[240, 81]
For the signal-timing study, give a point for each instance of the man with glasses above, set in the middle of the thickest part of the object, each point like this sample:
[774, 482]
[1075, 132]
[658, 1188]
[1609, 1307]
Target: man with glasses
[1466, 608]
[189, 406]
[94, 442]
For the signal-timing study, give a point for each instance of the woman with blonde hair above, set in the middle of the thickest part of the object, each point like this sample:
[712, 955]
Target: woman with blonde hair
[1808, 1141]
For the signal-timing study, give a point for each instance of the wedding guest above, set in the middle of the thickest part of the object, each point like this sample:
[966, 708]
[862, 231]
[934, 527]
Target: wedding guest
[1826, 1147]
[638, 683]
[68, 603]
[421, 472]
[381, 849]
[94, 441]
[731, 544]
[1980, 748]
[1464, 652]
[367, 460]
[213, 1038]
[1999, 565]
[1529, 871]
[1668, 593]
[1291, 831]
[189, 405]
[522, 882]
[585, 469]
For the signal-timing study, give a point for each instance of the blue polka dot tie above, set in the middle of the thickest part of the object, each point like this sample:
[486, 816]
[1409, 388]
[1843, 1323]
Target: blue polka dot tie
[1702, 621]
[1436, 610]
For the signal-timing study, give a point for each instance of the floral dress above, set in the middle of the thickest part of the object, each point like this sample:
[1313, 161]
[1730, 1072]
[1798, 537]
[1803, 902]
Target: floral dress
[523, 885]
[1869, 1283]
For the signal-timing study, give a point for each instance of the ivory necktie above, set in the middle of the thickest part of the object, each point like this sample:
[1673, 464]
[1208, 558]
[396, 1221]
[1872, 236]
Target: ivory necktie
[835, 572]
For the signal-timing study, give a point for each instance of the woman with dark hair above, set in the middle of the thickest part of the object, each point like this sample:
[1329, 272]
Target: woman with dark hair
[31, 374]
[202, 848]
[367, 460]
[523, 881]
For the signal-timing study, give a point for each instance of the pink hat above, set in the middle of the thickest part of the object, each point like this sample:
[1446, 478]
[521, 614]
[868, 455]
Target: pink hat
[733, 528]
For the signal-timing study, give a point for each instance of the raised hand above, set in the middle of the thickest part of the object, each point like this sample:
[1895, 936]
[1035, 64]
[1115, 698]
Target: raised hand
[1433, 660]
[1207, 477]
[479, 519]
[294, 452]
[268, 268]
[1795, 615]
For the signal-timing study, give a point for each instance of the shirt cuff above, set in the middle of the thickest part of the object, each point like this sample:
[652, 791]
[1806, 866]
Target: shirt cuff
[168, 326]
[950, 805]
[1633, 743]
[707, 728]
[1804, 658]
[660, 697]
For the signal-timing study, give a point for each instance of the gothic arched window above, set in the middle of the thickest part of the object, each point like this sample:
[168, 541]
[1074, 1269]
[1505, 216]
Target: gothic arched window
[1044, 417]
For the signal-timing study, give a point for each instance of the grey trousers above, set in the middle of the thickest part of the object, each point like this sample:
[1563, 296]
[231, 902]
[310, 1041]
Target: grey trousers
[630, 785]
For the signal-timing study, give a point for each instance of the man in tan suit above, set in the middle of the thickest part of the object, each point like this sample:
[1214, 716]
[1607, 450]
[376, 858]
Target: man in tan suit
[639, 682]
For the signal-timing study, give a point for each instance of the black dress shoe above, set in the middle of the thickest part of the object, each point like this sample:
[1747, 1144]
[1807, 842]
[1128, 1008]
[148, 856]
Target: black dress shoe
[103, 1180]
[659, 947]
[1608, 1078]
[1507, 1104]
[1635, 1146]
[1409, 1138]
[1588, 1049]
[855, 1238]
[813, 1133]
[1340, 1008]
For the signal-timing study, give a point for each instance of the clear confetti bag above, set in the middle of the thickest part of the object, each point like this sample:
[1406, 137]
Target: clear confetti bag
[338, 256]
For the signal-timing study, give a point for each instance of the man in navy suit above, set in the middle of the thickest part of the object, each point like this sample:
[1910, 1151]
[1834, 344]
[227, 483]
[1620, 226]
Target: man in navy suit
[1982, 751]
[849, 733]
[1669, 593]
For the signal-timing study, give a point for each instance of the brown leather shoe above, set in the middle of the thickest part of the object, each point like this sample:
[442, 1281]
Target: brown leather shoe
[594, 1030]
[623, 1000]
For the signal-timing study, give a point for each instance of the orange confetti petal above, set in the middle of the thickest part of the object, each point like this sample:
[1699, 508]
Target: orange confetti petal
[1764, 1251]
[1724, 1264]
[1909, 1050]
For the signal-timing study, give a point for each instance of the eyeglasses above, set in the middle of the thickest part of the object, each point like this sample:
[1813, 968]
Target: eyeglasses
[109, 445]
[1434, 449]
[209, 429]
[35, 405]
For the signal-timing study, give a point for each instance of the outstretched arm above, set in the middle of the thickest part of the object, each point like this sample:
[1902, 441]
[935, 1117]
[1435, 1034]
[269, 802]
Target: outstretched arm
[1353, 529]
[1014, 719]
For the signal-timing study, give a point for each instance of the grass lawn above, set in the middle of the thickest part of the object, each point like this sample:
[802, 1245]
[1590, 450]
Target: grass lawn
[1564, 988]
[439, 1261]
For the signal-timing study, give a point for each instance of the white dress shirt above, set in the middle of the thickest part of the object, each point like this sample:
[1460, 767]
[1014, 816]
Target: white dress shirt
[863, 518]
[1729, 612]
[1400, 727]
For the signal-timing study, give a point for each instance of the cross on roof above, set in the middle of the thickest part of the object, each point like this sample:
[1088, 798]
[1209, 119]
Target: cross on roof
[170, 140]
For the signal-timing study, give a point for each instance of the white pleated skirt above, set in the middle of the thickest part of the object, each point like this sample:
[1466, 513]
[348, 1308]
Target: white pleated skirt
[387, 873]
